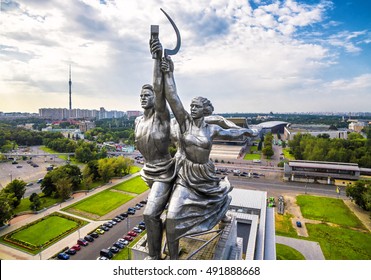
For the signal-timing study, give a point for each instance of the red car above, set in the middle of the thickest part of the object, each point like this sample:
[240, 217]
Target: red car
[132, 233]
[128, 238]
[82, 242]
[76, 247]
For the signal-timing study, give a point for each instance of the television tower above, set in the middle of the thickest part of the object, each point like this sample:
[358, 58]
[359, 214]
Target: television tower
[70, 87]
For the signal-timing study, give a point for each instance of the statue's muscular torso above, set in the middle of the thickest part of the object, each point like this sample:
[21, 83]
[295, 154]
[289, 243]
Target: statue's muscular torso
[152, 137]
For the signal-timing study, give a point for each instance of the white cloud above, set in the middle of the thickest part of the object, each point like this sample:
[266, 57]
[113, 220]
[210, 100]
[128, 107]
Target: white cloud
[229, 49]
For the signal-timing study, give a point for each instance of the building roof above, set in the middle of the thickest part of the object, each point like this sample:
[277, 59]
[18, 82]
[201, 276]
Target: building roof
[327, 165]
[271, 124]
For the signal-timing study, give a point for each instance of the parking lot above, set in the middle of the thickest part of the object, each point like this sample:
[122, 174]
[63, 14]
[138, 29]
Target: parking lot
[25, 171]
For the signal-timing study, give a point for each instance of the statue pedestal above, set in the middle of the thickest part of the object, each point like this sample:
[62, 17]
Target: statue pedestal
[220, 243]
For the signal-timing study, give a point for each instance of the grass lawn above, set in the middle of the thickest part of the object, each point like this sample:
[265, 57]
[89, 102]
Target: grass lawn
[284, 226]
[101, 203]
[327, 210]
[134, 185]
[134, 169]
[287, 155]
[45, 230]
[252, 156]
[284, 252]
[64, 157]
[339, 243]
[42, 233]
[45, 202]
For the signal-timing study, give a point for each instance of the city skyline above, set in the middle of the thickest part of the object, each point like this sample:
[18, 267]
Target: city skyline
[245, 56]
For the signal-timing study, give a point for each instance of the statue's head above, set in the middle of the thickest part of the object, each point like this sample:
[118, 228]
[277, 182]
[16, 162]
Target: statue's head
[147, 97]
[201, 107]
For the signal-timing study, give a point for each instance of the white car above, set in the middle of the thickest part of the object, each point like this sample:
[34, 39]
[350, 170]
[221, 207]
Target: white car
[137, 230]
[123, 241]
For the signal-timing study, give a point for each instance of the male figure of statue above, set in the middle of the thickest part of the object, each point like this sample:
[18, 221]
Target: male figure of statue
[152, 137]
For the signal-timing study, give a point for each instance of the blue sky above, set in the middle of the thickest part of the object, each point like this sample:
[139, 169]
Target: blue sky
[245, 56]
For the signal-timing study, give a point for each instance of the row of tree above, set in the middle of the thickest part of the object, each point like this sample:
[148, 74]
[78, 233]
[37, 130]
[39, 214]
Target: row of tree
[10, 198]
[355, 149]
[360, 192]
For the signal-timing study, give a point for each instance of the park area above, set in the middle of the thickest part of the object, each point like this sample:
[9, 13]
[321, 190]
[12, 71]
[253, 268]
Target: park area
[330, 222]
[42, 233]
[108, 200]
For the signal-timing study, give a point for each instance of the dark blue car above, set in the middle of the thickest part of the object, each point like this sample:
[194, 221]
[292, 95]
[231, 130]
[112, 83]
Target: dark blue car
[63, 256]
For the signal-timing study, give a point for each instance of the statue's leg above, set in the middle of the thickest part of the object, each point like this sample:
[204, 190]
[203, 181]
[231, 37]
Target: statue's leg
[173, 213]
[156, 203]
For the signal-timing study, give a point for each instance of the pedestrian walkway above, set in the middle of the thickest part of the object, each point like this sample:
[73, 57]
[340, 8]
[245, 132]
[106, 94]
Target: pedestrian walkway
[310, 250]
[9, 253]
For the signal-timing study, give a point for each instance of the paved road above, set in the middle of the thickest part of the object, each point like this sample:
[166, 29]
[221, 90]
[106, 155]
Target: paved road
[310, 250]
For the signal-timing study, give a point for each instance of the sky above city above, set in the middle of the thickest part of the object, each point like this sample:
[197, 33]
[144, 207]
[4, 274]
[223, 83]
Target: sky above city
[245, 56]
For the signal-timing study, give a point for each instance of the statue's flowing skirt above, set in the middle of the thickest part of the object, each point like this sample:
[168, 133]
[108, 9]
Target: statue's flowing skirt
[199, 200]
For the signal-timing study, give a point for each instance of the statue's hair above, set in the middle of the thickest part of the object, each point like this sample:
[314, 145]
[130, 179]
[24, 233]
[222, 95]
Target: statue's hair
[147, 86]
[208, 107]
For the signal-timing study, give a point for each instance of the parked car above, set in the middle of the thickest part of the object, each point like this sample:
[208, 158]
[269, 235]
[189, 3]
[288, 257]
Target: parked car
[70, 251]
[82, 242]
[76, 247]
[113, 222]
[142, 227]
[63, 256]
[104, 228]
[113, 249]
[128, 238]
[123, 241]
[298, 223]
[132, 233]
[99, 230]
[118, 245]
[131, 211]
[125, 214]
[144, 201]
[137, 230]
[89, 238]
[40, 180]
[117, 220]
[29, 184]
[19, 166]
[120, 217]
[137, 207]
[139, 204]
[142, 223]
[106, 253]
[94, 234]
[107, 224]
[102, 258]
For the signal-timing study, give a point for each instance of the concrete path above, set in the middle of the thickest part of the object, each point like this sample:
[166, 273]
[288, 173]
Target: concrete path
[310, 250]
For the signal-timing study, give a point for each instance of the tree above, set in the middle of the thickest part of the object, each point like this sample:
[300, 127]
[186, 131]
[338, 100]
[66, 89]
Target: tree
[358, 193]
[105, 169]
[6, 209]
[35, 202]
[18, 188]
[268, 151]
[64, 187]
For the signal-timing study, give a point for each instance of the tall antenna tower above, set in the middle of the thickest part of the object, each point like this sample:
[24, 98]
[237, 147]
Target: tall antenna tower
[70, 89]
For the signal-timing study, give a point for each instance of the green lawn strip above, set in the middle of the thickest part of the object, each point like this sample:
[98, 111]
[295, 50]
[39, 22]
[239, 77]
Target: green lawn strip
[64, 157]
[42, 233]
[45, 203]
[339, 243]
[134, 185]
[252, 156]
[134, 169]
[284, 252]
[327, 209]
[101, 203]
[284, 226]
